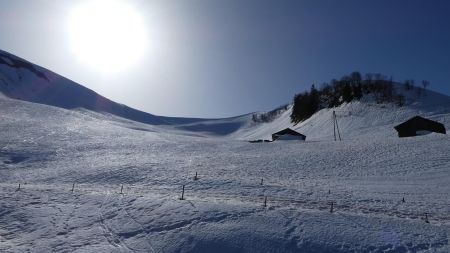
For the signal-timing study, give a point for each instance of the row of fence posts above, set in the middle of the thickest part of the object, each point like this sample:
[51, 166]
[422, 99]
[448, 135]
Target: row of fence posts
[331, 203]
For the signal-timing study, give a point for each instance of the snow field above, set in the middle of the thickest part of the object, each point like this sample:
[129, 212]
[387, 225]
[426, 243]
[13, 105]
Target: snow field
[49, 149]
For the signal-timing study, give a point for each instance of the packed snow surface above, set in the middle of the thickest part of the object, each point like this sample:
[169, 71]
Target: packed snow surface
[93, 181]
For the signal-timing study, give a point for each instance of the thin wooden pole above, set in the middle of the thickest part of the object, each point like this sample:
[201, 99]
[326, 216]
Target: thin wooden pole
[182, 193]
[73, 187]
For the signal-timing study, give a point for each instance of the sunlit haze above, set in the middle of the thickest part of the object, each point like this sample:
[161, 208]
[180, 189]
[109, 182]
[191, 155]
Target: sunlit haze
[109, 36]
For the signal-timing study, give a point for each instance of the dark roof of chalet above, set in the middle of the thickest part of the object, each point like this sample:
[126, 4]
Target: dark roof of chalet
[438, 126]
[289, 131]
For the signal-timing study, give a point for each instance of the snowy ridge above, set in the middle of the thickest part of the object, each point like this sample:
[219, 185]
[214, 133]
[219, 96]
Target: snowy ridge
[20, 79]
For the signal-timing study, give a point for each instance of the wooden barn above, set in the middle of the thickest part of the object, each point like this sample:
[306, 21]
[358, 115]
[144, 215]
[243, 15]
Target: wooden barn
[419, 126]
[288, 134]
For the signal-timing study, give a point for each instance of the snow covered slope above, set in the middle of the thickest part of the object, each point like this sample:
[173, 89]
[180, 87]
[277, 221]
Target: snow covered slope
[23, 80]
[361, 119]
[46, 149]
[50, 150]
[20, 79]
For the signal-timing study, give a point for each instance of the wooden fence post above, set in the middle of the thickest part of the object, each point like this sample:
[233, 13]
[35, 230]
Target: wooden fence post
[195, 177]
[182, 193]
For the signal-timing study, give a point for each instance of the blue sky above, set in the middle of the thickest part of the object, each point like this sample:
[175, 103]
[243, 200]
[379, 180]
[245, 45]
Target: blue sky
[216, 58]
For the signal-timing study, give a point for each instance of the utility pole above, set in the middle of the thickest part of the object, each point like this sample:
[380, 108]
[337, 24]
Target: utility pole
[336, 127]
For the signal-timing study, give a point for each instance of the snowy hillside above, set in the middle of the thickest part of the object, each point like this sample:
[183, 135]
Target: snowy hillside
[361, 119]
[383, 188]
[46, 149]
[20, 79]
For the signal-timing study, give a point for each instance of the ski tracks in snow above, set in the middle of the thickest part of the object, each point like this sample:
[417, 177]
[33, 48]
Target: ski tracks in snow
[141, 225]
[113, 237]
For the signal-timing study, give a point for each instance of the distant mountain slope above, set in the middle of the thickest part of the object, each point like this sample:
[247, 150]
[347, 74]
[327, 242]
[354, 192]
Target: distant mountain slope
[23, 80]
[20, 79]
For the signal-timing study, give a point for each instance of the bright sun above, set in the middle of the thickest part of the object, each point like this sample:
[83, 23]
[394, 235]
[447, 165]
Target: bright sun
[108, 35]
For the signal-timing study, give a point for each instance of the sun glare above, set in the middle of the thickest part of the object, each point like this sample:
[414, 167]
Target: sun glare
[108, 35]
